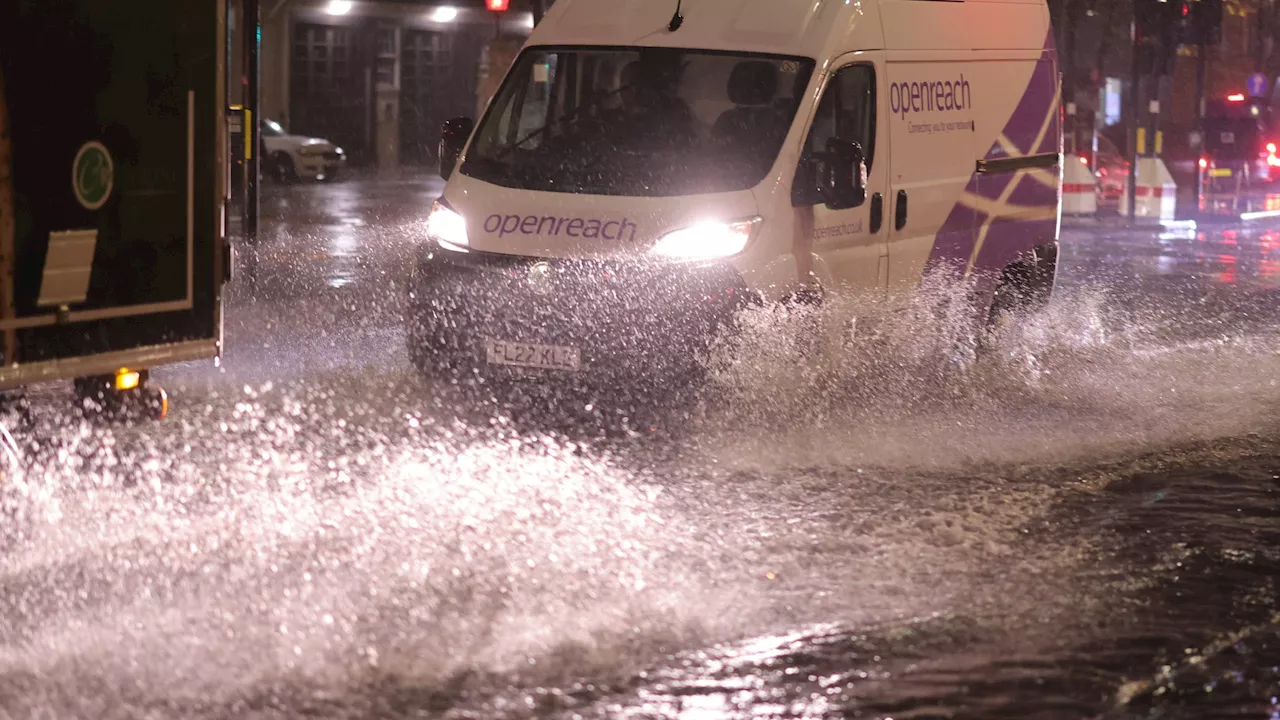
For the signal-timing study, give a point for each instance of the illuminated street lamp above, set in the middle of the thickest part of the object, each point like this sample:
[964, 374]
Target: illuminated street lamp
[339, 7]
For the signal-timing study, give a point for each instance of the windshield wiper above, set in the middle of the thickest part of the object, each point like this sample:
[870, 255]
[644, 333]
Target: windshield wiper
[559, 121]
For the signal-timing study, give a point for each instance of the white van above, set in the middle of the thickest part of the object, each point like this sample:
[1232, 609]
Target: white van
[648, 166]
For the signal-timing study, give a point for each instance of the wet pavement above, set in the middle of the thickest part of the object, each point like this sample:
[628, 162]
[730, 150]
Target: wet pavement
[1089, 527]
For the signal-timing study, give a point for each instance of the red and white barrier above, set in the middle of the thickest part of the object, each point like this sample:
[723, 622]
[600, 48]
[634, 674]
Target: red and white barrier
[1079, 187]
[1156, 194]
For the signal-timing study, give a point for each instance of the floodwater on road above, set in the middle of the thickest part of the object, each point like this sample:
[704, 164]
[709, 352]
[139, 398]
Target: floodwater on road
[1086, 525]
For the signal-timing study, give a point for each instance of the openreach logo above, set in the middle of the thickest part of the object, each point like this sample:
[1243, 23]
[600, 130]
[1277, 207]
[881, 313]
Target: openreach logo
[906, 98]
[550, 225]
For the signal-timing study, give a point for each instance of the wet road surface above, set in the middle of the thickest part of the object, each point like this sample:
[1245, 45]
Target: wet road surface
[1088, 527]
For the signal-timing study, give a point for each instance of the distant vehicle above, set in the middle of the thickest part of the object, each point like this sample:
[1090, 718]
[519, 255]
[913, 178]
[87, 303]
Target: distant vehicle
[1239, 148]
[1111, 170]
[619, 202]
[290, 157]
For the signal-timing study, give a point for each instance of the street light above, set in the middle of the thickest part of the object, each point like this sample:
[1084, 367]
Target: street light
[445, 14]
[339, 7]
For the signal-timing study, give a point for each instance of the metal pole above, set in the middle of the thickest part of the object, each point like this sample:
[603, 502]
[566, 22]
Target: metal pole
[1134, 114]
[1068, 64]
[253, 71]
[8, 229]
[1153, 115]
[1198, 146]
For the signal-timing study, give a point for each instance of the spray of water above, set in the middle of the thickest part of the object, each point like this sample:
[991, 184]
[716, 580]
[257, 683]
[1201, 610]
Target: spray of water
[260, 551]
[339, 544]
[1082, 380]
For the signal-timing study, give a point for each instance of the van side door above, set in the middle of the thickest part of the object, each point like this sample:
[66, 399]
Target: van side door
[932, 126]
[849, 246]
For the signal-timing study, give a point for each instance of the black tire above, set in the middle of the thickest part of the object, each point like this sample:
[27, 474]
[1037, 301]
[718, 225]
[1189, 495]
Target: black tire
[15, 411]
[435, 361]
[1024, 289]
[99, 401]
[282, 167]
[424, 361]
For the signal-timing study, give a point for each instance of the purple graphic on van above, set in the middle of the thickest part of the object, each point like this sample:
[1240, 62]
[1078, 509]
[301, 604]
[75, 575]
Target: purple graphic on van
[1002, 216]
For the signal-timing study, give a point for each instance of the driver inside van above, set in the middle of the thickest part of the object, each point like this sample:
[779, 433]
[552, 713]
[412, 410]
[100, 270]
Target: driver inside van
[651, 107]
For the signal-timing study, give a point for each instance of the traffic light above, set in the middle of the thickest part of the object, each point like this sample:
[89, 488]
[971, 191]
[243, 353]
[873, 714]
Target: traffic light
[1158, 27]
[497, 5]
[1202, 22]
[1158, 21]
[1146, 21]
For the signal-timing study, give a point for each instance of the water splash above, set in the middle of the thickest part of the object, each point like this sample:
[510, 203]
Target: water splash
[1084, 379]
[340, 544]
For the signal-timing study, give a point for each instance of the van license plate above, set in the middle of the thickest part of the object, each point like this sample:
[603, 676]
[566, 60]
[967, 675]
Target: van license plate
[547, 357]
[1220, 172]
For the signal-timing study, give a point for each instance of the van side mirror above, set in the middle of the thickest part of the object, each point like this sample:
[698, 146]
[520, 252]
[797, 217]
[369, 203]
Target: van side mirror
[842, 175]
[453, 137]
[836, 178]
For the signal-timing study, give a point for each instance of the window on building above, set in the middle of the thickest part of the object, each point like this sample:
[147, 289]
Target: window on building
[387, 63]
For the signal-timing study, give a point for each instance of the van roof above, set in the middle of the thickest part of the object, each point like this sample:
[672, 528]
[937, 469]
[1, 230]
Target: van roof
[808, 28]
[784, 27]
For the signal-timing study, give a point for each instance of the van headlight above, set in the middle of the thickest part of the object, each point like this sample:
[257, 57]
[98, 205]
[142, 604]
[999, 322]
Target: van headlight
[447, 228]
[707, 241]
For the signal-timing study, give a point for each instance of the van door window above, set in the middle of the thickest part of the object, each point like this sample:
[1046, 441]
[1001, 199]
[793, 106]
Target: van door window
[847, 111]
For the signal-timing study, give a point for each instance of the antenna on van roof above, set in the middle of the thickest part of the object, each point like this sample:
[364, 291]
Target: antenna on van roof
[676, 20]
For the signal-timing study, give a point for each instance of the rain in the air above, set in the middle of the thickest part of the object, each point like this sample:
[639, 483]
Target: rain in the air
[640, 359]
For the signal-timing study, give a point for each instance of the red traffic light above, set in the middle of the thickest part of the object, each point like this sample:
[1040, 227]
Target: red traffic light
[497, 5]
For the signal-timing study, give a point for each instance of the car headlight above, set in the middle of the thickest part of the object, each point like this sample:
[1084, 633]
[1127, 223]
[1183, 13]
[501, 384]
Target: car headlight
[707, 241]
[447, 228]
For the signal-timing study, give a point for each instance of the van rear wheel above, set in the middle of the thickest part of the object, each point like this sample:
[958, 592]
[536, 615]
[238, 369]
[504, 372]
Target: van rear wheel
[1024, 289]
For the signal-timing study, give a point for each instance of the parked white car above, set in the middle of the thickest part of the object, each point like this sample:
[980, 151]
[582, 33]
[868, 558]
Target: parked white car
[289, 157]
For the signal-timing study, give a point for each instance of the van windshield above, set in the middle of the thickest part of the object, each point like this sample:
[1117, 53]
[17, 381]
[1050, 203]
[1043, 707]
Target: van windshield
[637, 121]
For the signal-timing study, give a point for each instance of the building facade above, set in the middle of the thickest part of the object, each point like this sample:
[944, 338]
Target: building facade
[379, 77]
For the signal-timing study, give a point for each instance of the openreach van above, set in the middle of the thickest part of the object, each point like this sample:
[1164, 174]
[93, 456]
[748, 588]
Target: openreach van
[648, 167]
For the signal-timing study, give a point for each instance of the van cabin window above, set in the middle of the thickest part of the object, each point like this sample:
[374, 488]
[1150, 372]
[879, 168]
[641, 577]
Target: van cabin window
[847, 111]
[521, 118]
[638, 121]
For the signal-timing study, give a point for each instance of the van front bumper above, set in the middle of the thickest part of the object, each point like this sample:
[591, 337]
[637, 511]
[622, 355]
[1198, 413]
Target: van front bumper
[646, 326]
